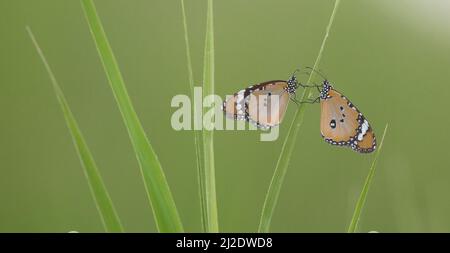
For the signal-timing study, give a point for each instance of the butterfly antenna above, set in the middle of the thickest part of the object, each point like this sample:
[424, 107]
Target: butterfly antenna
[295, 72]
[309, 73]
[317, 72]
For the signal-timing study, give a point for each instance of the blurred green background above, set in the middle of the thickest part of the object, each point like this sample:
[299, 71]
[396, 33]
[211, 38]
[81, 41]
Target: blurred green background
[391, 58]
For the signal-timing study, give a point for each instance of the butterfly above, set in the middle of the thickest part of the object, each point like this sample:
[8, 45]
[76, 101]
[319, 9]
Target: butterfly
[341, 123]
[263, 104]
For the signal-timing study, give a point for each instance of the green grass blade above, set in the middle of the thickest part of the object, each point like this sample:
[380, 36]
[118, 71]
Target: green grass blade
[102, 200]
[363, 196]
[197, 134]
[289, 144]
[212, 223]
[188, 52]
[162, 203]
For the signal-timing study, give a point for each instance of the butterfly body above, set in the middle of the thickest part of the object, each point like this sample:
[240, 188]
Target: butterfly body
[342, 124]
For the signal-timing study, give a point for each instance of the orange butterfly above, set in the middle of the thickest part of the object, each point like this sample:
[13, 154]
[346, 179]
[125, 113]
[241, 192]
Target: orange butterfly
[341, 123]
[254, 104]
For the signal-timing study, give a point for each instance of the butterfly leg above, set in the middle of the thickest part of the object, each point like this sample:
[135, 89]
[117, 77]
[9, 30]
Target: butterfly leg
[313, 85]
[308, 86]
[318, 89]
[310, 101]
[295, 101]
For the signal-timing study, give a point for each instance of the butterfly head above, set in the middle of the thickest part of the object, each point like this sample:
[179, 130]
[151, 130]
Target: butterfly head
[326, 87]
[292, 84]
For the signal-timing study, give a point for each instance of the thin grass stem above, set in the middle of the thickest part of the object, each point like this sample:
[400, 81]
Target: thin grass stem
[198, 142]
[289, 142]
[105, 207]
[363, 196]
[212, 223]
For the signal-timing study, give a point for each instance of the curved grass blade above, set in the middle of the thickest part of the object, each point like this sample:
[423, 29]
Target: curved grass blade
[102, 200]
[198, 142]
[289, 144]
[212, 223]
[363, 196]
[162, 203]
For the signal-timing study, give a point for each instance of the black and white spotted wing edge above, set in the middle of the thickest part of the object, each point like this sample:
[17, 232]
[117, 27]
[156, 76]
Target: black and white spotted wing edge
[362, 130]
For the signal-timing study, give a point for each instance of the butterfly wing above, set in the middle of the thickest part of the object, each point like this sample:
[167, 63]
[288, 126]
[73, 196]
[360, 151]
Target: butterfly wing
[342, 124]
[245, 104]
[267, 104]
[235, 106]
[338, 122]
[367, 144]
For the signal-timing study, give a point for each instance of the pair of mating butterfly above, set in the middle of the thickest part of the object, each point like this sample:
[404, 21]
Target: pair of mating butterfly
[341, 123]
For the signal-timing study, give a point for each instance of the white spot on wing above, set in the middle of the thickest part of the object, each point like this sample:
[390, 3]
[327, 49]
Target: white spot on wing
[360, 136]
[364, 127]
